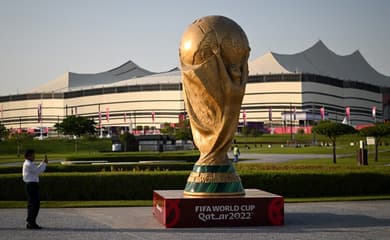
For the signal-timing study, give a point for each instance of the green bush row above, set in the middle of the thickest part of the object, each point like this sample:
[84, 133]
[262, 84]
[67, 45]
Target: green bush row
[186, 166]
[140, 185]
[192, 157]
[107, 168]
[55, 146]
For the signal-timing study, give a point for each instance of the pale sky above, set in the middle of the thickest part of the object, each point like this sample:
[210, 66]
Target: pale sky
[42, 39]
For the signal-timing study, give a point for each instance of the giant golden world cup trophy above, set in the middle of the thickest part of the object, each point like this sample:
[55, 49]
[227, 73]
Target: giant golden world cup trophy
[214, 53]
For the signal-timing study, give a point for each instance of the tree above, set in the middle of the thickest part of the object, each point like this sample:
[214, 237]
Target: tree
[20, 137]
[3, 131]
[377, 131]
[76, 126]
[245, 131]
[167, 129]
[129, 141]
[183, 131]
[333, 130]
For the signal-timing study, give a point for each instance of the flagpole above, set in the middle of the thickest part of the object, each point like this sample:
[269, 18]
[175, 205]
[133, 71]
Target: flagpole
[291, 135]
[108, 121]
[100, 123]
[130, 124]
[41, 136]
[40, 121]
[153, 116]
[270, 119]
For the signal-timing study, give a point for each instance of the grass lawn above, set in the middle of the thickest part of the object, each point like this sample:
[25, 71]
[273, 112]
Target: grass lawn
[62, 148]
[54, 148]
[100, 148]
[384, 159]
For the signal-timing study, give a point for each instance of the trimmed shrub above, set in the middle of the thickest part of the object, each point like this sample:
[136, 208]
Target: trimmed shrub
[140, 185]
[306, 184]
[138, 157]
[12, 187]
[107, 168]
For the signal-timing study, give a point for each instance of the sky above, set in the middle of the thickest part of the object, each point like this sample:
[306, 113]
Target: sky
[41, 40]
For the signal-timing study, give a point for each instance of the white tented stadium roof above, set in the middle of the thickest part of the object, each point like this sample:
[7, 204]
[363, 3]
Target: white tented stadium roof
[318, 59]
[73, 81]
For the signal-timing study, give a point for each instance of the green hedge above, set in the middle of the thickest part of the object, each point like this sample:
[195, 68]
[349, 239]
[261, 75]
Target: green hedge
[136, 157]
[140, 185]
[306, 184]
[56, 146]
[94, 186]
[107, 168]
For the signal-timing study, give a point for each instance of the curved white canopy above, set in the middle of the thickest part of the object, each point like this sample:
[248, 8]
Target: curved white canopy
[318, 59]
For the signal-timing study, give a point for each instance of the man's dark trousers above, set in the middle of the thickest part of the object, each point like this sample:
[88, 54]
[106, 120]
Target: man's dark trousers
[32, 189]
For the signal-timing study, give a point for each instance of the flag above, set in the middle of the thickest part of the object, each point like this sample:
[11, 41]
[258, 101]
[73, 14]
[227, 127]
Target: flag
[244, 116]
[1, 110]
[153, 113]
[270, 114]
[182, 117]
[373, 112]
[348, 112]
[322, 112]
[75, 111]
[107, 114]
[39, 113]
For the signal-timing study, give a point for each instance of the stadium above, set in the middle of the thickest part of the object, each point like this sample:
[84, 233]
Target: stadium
[285, 92]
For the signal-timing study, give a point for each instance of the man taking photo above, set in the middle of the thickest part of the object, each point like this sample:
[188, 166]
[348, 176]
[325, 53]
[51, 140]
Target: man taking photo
[31, 178]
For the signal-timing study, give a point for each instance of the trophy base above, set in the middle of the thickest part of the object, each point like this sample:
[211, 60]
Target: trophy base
[214, 188]
[174, 209]
[206, 180]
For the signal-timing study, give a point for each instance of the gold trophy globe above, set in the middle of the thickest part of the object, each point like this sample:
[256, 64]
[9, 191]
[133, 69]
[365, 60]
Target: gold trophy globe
[214, 53]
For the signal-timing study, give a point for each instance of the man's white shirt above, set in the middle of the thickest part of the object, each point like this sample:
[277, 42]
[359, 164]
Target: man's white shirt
[31, 171]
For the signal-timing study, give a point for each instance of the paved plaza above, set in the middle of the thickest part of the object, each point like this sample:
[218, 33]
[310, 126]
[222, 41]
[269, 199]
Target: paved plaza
[324, 220]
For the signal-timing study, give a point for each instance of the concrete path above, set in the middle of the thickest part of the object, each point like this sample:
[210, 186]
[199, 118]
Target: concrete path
[335, 220]
[249, 157]
[277, 158]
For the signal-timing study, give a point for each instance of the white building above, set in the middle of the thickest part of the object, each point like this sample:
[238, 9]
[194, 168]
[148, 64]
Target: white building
[294, 86]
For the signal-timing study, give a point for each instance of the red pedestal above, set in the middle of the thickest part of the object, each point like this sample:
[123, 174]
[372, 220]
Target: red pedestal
[256, 208]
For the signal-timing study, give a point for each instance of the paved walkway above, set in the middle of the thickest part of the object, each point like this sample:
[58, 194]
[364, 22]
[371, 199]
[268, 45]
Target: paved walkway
[249, 158]
[334, 220]
[277, 158]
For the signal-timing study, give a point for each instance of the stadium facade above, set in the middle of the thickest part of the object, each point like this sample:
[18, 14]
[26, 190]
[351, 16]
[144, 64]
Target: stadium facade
[283, 90]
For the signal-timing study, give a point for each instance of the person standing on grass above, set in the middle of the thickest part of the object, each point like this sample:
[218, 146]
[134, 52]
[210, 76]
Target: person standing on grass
[236, 153]
[31, 178]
